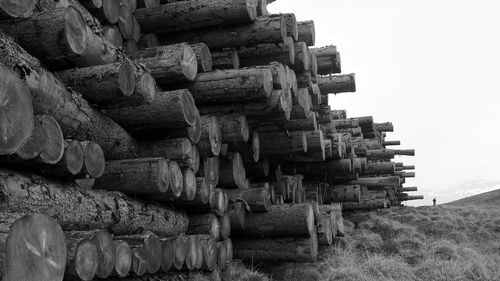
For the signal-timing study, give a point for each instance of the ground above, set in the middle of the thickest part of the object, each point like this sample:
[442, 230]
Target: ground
[452, 242]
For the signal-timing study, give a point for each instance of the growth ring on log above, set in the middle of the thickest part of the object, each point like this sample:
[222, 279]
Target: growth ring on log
[18, 8]
[75, 30]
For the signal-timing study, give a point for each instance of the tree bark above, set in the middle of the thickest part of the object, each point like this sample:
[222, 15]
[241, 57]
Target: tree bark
[379, 168]
[263, 54]
[96, 209]
[328, 60]
[342, 193]
[203, 57]
[186, 15]
[234, 128]
[306, 32]
[226, 59]
[232, 171]
[53, 148]
[204, 224]
[334, 84]
[211, 137]
[280, 143]
[378, 181]
[256, 199]
[179, 150]
[152, 247]
[278, 249]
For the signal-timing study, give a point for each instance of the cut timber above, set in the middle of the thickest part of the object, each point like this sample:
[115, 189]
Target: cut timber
[123, 259]
[191, 253]
[180, 244]
[378, 181]
[139, 261]
[77, 119]
[130, 4]
[409, 167]
[234, 128]
[221, 254]
[122, 214]
[334, 84]
[105, 251]
[188, 185]
[309, 124]
[167, 257]
[342, 193]
[379, 168]
[280, 143]
[72, 161]
[328, 60]
[53, 148]
[167, 64]
[302, 57]
[407, 152]
[209, 250]
[17, 123]
[226, 59]
[192, 132]
[126, 23]
[112, 84]
[143, 177]
[256, 199]
[200, 193]
[306, 32]
[284, 220]
[232, 171]
[192, 14]
[224, 86]
[35, 242]
[262, 8]
[151, 245]
[149, 40]
[32, 146]
[238, 215]
[264, 53]
[367, 205]
[176, 180]
[18, 8]
[210, 171]
[179, 150]
[170, 110]
[417, 197]
[291, 26]
[380, 154]
[211, 136]
[203, 57]
[204, 224]
[225, 226]
[265, 30]
[93, 162]
[324, 226]
[389, 143]
[113, 35]
[315, 146]
[107, 11]
[384, 127]
[278, 249]
[302, 108]
[82, 258]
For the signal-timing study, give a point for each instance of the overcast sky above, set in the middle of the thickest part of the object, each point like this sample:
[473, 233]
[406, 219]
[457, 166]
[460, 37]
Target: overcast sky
[431, 67]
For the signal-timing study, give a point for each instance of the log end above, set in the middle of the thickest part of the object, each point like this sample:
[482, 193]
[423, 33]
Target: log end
[111, 9]
[74, 157]
[176, 178]
[244, 128]
[126, 79]
[146, 87]
[94, 160]
[180, 251]
[205, 58]
[167, 260]
[123, 258]
[255, 146]
[189, 181]
[189, 63]
[53, 149]
[106, 253]
[215, 135]
[18, 8]
[188, 107]
[75, 30]
[225, 226]
[252, 9]
[194, 131]
[86, 260]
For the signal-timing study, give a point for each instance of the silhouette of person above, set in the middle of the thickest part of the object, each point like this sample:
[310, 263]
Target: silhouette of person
[434, 201]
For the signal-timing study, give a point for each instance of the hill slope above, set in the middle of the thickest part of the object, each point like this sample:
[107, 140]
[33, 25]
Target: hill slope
[487, 199]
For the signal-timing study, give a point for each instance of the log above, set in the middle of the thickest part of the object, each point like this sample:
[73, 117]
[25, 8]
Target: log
[93, 162]
[324, 227]
[170, 110]
[283, 144]
[232, 171]
[28, 237]
[384, 127]
[221, 254]
[17, 112]
[71, 163]
[409, 167]
[211, 136]
[210, 171]
[259, 171]
[284, 220]
[123, 259]
[137, 31]
[229, 250]
[407, 175]
[309, 124]
[167, 254]
[112, 85]
[379, 168]
[191, 253]
[291, 26]
[265, 53]
[237, 214]
[389, 143]
[380, 154]
[328, 60]
[18, 9]
[180, 245]
[262, 8]
[53, 148]
[139, 261]
[227, 59]
[186, 15]
[302, 108]
[59, 201]
[264, 30]
[151, 245]
[204, 224]
[225, 226]
[113, 35]
[418, 197]
[225, 86]
[203, 57]
[76, 118]
[302, 57]
[366, 205]
[199, 198]
[209, 252]
[277, 249]
[234, 128]
[130, 4]
[149, 40]
[315, 147]
[334, 84]
[342, 193]
[168, 64]
[82, 258]
[378, 181]
[107, 12]
[255, 199]
[407, 152]
[146, 177]
[306, 32]
[179, 150]
[192, 132]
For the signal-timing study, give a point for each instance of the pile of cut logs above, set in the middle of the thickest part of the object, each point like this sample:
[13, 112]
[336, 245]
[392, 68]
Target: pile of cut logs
[145, 137]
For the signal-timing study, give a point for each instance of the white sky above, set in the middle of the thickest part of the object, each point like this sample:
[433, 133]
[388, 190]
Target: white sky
[432, 67]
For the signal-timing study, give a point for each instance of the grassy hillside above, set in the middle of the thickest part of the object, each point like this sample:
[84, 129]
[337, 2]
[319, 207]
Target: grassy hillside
[488, 199]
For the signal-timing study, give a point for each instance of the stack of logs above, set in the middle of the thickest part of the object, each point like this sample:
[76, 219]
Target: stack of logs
[160, 136]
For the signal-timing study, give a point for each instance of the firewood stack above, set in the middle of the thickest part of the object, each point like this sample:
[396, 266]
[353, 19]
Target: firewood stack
[159, 136]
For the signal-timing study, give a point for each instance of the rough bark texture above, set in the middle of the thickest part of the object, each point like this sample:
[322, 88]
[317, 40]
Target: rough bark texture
[211, 136]
[256, 199]
[203, 57]
[334, 84]
[283, 144]
[204, 224]
[342, 193]
[226, 59]
[328, 60]
[185, 15]
[96, 209]
[263, 54]
[179, 150]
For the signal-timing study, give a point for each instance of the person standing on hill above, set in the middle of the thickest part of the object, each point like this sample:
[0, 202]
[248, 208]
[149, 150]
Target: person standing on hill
[434, 201]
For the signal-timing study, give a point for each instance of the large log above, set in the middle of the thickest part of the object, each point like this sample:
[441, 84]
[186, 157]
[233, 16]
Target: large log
[179, 150]
[191, 14]
[16, 8]
[226, 59]
[277, 249]
[334, 84]
[270, 29]
[121, 214]
[265, 53]
[17, 110]
[232, 171]
[328, 60]
[170, 110]
[306, 32]
[284, 220]
[211, 137]
[192, 132]
[77, 119]
[168, 64]
[256, 199]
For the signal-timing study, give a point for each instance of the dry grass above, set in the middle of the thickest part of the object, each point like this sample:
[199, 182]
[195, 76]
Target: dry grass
[425, 243]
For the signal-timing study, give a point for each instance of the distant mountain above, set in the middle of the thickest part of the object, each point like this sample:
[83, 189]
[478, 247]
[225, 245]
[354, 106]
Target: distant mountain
[491, 198]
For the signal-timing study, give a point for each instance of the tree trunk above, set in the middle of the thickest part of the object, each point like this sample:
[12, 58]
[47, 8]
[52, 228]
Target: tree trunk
[211, 137]
[306, 32]
[82, 258]
[384, 127]
[380, 154]
[379, 168]
[170, 110]
[186, 15]
[342, 193]
[210, 171]
[120, 213]
[179, 150]
[378, 181]
[263, 54]
[328, 60]
[256, 199]
[204, 224]
[334, 84]
[285, 220]
[226, 59]
[209, 250]
[280, 143]
[278, 249]
[203, 57]
[232, 171]
[192, 132]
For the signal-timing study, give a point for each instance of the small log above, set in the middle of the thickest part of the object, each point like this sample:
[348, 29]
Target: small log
[137, 31]
[283, 144]
[130, 47]
[379, 168]
[366, 206]
[201, 193]
[291, 26]
[126, 23]
[342, 193]
[210, 171]
[277, 249]
[179, 150]
[302, 108]
[204, 224]
[107, 12]
[265, 53]
[221, 254]
[191, 253]
[82, 259]
[186, 15]
[328, 60]
[171, 110]
[209, 252]
[309, 124]
[284, 220]
[113, 35]
[18, 9]
[259, 171]
[262, 8]
[176, 180]
[389, 143]
[238, 214]
[105, 252]
[168, 64]
[149, 40]
[256, 199]
[203, 57]
[378, 181]
[315, 147]
[71, 163]
[123, 259]
[229, 250]
[407, 152]
[334, 84]
[167, 254]
[188, 186]
[139, 260]
[151, 245]
[228, 59]
[180, 244]
[211, 136]
[409, 167]
[192, 132]
[93, 162]
[232, 171]
[234, 128]
[302, 57]
[324, 227]
[306, 32]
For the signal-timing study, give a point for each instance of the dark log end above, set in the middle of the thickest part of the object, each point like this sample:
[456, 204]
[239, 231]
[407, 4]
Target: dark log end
[113, 35]
[75, 30]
